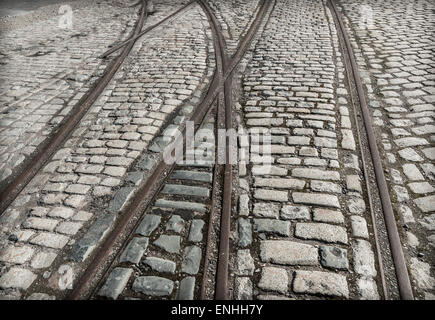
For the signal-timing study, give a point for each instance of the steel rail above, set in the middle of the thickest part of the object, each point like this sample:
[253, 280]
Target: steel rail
[402, 275]
[367, 184]
[221, 292]
[366, 176]
[140, 34]
[148, 191]
[44, 154]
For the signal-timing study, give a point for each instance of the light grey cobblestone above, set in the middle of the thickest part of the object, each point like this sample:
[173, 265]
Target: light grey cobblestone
[324, 283]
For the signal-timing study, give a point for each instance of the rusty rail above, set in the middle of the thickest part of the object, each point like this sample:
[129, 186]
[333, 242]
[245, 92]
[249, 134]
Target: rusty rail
[401, 270]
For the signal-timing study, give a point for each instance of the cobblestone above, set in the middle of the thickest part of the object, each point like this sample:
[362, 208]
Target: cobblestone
[274, 279]
[186, 290]
[324, 283]
[334, 257]
[364, 259]
[272, 226]
[134, 251]
[115, 283]
[153, 286]
[18, 278]
[16, 255]
[160, 265]
[170, 244]
[301, 228]
[321, 231]
[288, 253]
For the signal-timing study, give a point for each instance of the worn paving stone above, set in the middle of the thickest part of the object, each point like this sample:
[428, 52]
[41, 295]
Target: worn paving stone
[195, 233]
[120, 199]
[421, 187]
[17, 278]
[323, 283]
[325, 186]
[115, 283]
[160, 265]
[410, 142]
[318, 174]
[243, 288]
[170, 244]
[83, 247]
[199, 207]
[187, 289]
[176, 224]
[364, 259]
[272, 195]
[410, 155]
[134, 251]
[334, 257]
[149, 223]
[192, 175]
[426, 204]
[40, 224]
[279, 183]
[359, 227]
[16, 255]
[367, 289]
[186, 190]
[50, 240]
[191, 260]
[421, 272]
[288, 252]
[43, 260]
[353, 183]
[244, 232]
[295, 212]
[69, 228]
[61, 212]
[356, 205]
[272, 226]
[245, 263]
[38, 296]
[320, 199]
[321, 231]
[266, 210]
[268, 170]
[244, 205]
[329, 216]
[274, 279]
[153, 286]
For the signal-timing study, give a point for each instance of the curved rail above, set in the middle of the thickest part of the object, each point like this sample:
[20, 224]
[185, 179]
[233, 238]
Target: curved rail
[44, 154]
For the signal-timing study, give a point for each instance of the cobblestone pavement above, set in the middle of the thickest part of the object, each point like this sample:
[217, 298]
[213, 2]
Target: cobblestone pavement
[45, 71]
[395, 47]
[301, 227]
[163, 71]
[234, 18]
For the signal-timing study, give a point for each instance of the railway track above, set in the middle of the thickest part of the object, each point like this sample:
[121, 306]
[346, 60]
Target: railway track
[25, 173]
[149, 196]
[32, 166]
[361, 111]
[191, 202]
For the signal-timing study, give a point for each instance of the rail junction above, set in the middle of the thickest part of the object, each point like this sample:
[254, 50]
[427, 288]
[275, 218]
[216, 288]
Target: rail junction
[219, 149]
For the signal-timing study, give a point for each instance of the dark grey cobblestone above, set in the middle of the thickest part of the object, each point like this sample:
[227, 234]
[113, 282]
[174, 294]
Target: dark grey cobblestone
[153, 286]
[134, 251]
